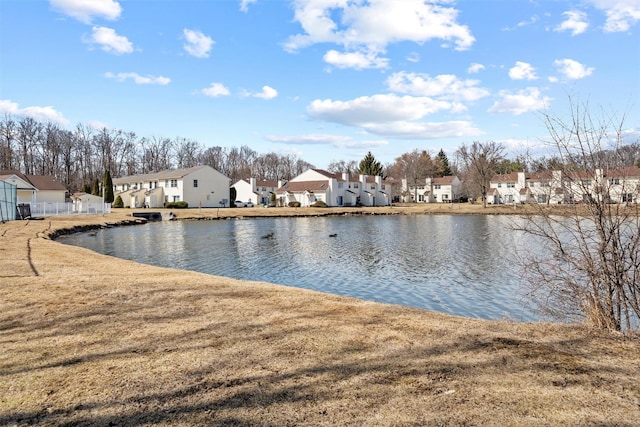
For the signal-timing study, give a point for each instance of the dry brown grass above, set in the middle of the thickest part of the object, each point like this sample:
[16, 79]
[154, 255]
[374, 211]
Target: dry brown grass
[87, 339]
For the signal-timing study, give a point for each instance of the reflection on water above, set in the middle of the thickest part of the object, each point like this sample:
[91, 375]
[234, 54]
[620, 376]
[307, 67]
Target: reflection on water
[462, 265]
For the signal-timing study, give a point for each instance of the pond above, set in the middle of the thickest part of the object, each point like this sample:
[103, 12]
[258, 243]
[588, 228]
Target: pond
[457, 264]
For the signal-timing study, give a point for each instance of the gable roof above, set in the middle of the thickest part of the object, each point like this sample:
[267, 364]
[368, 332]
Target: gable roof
[301, 186]
[39, 182]
[158, 176]
[445, 180]
[507, 177]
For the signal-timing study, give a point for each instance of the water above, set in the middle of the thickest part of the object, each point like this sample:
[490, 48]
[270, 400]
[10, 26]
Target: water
[456, 264]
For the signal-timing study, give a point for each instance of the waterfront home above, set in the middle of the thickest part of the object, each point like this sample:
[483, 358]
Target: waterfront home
[257, 191]
[432, 190]
[34, 189]
[620, 185]
[199, 186]
[335, 189]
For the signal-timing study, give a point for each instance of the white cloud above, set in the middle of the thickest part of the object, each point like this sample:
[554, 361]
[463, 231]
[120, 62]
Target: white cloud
[357, 60]
[377, 108]
[522, 71]
[425, 130]
[42, 114]
[85, 10]
[621, 14]
[97, 125]
[445, 86]
[267, 93]
[475, 68]
[338, 141]
[521, 24]
[244, 5]
[109, 41]
[368, 27]
[197, 44]
[216, 90]
[572, 69]
[138, 79]
[392, 116]
[523, 101]
[413, 57]
[576, 22]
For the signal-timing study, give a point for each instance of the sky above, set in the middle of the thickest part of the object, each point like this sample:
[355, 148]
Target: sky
[324, 80]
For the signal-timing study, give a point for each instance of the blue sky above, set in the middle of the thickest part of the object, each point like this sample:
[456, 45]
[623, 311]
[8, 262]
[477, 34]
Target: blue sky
[322, 79]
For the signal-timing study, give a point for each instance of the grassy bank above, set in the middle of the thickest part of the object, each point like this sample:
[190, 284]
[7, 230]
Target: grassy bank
[88, 339]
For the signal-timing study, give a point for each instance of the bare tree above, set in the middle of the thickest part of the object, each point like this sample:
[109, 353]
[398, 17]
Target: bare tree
[8, 133]
[480, 161]
[413, 166]
[187, 152]
[340, 166]
[591, 265]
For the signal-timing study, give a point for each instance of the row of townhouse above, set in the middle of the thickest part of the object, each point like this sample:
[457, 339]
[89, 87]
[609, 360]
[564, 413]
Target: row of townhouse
[200, 186]
[620, 185]
[335, 189]
[444, 189]
[203, 186]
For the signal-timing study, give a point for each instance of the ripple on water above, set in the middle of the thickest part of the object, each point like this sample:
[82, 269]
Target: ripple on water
[463, 265]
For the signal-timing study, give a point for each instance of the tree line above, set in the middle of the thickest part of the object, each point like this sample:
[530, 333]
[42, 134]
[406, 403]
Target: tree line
[79, 157]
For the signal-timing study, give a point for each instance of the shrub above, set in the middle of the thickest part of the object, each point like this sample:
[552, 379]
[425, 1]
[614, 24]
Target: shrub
[294, 204]
[176, 205]
[118, 203]
[319, 204]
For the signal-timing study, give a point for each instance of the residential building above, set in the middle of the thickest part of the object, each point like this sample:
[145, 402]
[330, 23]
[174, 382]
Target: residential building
[35, 188]
[620, 185]
[257, 191]
[199, 186]
[432, 190]
[335, 189]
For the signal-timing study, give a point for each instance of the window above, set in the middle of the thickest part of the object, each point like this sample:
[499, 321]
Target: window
[438, 186]
[627, 198]
[542, 198]
[166, 184]
[339, 185]
[174, 184]
[499, 185]
[511, 185]
[586, 182]
[614, 181]
[373, 187]
[383, 187]
[355, 185]
[195, 183]
[176, 198]
[421, 197]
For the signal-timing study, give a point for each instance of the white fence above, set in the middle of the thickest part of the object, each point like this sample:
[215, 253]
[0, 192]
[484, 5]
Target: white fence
[56, 209]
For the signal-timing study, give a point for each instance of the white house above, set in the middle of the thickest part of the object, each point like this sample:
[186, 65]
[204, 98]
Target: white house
[254, 190]
[335, 189]
[35, 188]
[432, 190]
[620, 185]
[199, 186]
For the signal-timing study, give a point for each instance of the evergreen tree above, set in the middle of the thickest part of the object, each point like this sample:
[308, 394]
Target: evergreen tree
[108, 187]
[96, 188]
[86, 188]
[442, 164]
[232, 195]
[370, 166]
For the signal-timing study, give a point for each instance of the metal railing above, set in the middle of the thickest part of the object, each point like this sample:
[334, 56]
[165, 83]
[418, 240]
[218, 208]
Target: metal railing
[57, 209]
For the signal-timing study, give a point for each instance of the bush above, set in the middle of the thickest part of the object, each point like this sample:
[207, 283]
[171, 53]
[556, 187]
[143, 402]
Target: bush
[176, 205]
[294, 204]
[118, 203]
[319, 204]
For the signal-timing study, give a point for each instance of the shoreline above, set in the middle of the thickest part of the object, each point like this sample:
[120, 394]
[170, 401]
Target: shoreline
[87, 338]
